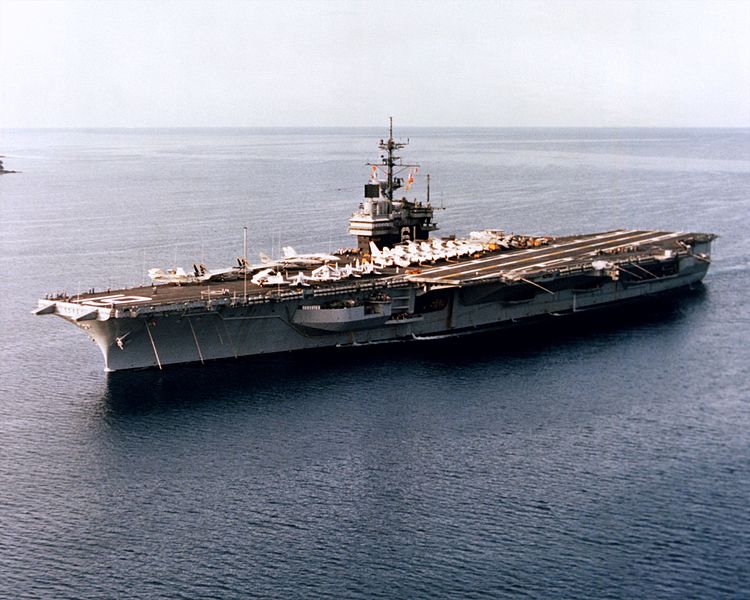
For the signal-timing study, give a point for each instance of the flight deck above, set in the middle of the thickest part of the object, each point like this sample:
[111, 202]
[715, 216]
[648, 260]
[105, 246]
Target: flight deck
[561, 255]
[565, 254]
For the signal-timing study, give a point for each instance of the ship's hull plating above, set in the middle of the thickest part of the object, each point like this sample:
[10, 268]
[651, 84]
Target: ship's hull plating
[199, 335]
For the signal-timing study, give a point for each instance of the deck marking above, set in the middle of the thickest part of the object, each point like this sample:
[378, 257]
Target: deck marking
[500, 266]
[542, 252]
[107, 301]
[523, 253]
[547, 264]
[585, 254]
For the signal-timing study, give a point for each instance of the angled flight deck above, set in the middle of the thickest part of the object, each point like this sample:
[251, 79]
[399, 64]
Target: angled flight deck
[564, 253]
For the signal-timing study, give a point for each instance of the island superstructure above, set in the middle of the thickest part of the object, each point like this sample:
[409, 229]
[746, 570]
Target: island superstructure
[398, 284]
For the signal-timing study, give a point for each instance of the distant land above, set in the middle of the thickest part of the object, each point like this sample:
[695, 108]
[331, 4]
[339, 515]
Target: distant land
[2, 169]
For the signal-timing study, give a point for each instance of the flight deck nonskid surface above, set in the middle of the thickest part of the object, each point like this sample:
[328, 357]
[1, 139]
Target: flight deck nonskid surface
[568, 252]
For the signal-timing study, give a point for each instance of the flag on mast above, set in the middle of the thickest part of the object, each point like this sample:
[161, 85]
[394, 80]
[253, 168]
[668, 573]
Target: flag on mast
[409, 181]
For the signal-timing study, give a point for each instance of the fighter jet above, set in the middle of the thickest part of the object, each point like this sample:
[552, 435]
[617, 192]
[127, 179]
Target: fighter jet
[200, 274]
[292, 259]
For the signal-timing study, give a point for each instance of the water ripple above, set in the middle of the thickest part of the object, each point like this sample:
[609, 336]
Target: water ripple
[603, 458]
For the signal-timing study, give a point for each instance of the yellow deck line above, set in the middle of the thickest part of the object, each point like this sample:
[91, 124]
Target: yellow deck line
[547, 252]
[544, 256]
[573, 258]
[462, 266]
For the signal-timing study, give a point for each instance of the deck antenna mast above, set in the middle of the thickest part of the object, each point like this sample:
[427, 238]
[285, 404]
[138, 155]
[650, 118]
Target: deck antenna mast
[390, 147]
[244, 261]
[390, 160]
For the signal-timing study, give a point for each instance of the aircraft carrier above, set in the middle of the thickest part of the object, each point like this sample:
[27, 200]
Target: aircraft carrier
[398, 284]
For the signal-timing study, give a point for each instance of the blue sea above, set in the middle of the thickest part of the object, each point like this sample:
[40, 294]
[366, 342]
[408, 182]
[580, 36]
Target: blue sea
[602, 458]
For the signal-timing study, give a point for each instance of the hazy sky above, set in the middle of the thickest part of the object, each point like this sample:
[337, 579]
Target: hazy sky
[246, 63]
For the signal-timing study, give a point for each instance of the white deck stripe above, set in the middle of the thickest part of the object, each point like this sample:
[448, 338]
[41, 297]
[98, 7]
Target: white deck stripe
[629, 237]
[483, 260]
[567, 259]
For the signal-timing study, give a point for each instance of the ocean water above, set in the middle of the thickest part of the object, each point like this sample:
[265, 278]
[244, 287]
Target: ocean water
[604, 458]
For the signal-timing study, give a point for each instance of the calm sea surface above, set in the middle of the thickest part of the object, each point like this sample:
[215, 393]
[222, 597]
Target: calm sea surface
[608, 458]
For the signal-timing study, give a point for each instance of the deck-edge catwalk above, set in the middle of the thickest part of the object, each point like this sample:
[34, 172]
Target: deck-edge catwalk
[398, 284]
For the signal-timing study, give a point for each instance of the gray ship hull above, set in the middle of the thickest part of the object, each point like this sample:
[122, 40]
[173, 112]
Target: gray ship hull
[135, 335]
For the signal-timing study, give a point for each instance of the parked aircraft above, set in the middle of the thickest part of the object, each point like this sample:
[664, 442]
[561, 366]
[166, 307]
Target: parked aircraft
[292, 259]
[268, 277]
[178, 275]
[300, 279]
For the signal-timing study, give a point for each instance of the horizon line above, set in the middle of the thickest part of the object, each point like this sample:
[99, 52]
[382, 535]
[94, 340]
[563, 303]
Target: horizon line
[345, 127]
